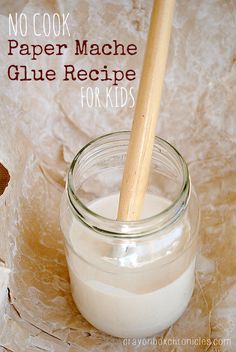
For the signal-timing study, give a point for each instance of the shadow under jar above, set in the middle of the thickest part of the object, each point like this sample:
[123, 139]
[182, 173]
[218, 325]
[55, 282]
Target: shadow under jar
[129, 279]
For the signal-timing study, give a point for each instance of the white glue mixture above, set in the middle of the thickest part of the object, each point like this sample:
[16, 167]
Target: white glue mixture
[125, 303]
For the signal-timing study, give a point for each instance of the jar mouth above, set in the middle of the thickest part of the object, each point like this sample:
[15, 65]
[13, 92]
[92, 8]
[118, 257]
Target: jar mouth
[128, 229]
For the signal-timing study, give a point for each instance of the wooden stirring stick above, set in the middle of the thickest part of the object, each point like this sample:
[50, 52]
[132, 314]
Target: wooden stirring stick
[138, 161]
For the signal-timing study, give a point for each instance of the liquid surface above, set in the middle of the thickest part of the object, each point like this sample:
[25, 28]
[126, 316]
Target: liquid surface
[108, 206]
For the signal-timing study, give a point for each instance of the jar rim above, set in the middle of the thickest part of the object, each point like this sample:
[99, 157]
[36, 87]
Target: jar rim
[128, 229]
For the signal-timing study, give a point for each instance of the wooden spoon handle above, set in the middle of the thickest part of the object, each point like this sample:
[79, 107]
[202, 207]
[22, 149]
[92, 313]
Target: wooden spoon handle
[138, 161]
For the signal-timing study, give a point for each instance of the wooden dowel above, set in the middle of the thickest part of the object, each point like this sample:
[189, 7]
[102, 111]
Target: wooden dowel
[138, 161]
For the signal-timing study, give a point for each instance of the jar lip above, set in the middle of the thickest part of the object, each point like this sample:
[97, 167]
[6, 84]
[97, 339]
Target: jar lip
[128, 229]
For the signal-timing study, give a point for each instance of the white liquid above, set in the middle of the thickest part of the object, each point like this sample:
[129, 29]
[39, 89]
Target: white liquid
[126, 303]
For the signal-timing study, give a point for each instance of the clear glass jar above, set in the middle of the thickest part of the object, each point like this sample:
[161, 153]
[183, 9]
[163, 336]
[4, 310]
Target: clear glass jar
[129, 279]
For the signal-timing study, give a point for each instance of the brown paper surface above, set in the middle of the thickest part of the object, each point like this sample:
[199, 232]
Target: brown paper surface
[42, 126]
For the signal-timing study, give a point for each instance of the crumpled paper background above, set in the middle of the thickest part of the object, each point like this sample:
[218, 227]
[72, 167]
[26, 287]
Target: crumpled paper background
[42, 126]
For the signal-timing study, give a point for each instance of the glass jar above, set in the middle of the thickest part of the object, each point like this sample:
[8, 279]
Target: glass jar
[129, 279]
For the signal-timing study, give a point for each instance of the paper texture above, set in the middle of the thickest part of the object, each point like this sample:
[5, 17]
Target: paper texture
[42, 126]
